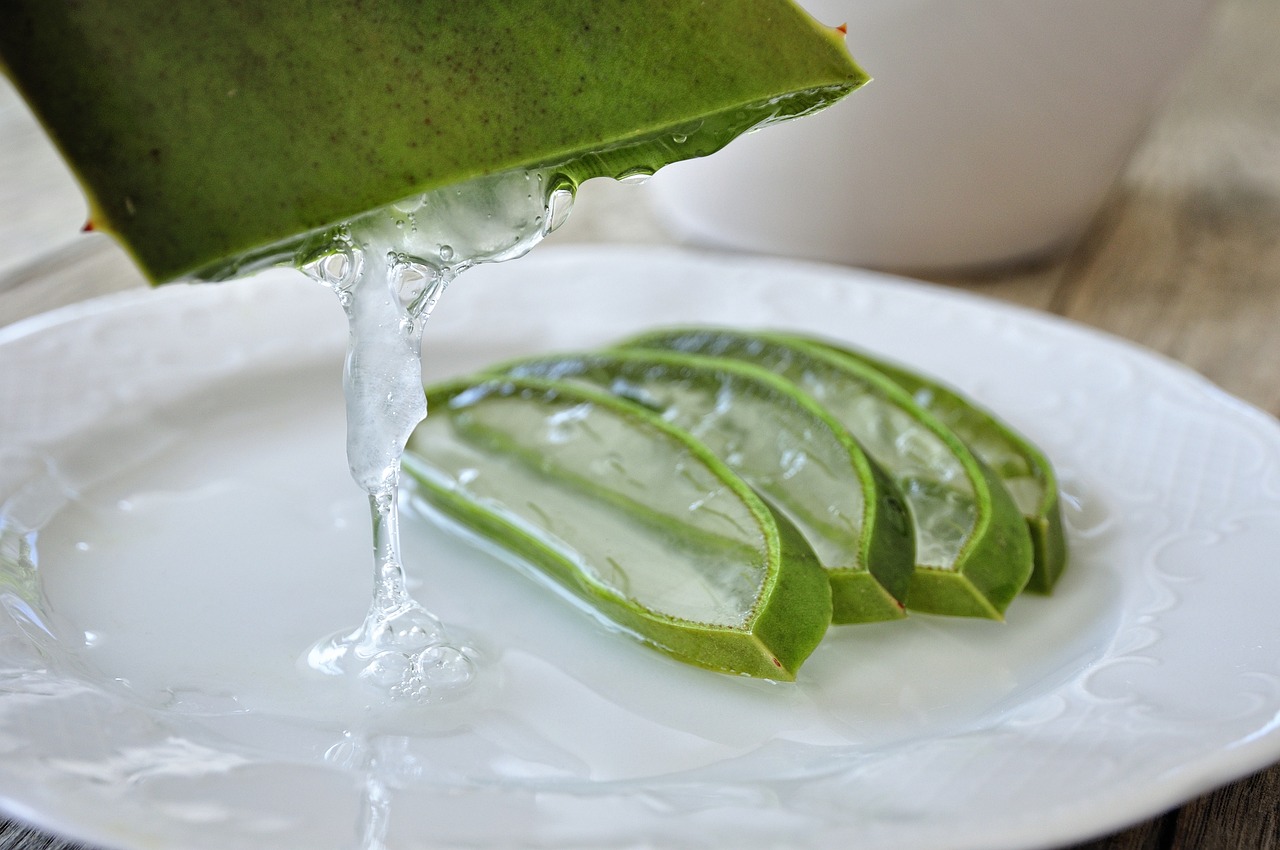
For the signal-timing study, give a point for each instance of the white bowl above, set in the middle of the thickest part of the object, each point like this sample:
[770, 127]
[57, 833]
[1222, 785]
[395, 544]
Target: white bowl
[990, 133]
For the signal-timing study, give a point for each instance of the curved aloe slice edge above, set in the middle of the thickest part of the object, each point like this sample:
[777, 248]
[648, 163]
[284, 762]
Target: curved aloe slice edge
[791, 612]
[965, 417]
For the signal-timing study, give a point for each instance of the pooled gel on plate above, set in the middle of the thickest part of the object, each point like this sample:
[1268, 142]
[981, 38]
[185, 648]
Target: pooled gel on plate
[389, 269]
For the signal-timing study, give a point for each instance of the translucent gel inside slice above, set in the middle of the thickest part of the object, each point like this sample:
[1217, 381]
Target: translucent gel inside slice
[933, 480]
[778, 446]
[628, 506]
[995, 449]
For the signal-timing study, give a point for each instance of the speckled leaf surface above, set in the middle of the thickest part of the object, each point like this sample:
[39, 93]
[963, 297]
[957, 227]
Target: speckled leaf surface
[203, 131]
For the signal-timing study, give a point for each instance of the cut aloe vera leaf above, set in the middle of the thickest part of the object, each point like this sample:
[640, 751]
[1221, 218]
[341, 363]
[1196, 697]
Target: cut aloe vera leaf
[207, 131]
[629, 514]
[1024, 470]
[783, 444]
[973, 551]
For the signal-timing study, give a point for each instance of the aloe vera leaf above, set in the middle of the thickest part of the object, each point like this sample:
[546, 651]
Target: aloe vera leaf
[632, 516]
[973, 551]
[1023, 468]
[207, 131]
[786, 447]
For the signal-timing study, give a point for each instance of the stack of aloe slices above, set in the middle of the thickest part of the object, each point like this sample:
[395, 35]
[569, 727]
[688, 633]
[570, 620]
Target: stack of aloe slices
[726, 495]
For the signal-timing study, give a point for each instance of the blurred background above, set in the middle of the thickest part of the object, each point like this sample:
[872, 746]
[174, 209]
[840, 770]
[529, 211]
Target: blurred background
[989, 135]
[1115, 163]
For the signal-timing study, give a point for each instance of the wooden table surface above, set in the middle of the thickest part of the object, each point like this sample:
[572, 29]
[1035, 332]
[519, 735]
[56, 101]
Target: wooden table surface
[1183, 259]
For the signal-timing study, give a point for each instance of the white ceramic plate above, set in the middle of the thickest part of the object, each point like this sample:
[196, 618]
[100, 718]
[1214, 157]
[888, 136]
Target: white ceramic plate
[179, 525]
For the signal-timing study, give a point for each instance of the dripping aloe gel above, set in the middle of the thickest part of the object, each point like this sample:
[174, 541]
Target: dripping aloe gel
[388, 269]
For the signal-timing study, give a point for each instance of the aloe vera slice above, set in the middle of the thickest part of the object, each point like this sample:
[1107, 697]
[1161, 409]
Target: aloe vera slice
[207, 131]
[786, 447]
[973, 551]
[629, 514]
[1021, 466]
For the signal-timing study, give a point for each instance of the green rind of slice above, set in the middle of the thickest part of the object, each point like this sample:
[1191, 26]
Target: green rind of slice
[203, 132]
[991, 573]
[993, 559]
[800, 460]
[1018, 462]
[492, 475]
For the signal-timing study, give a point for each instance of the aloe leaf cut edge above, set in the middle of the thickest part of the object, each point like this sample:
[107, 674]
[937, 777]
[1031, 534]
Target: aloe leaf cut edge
[203, 132]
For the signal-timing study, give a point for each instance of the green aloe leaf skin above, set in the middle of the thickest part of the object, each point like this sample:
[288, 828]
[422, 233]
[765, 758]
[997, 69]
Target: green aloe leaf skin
[630, 515]
[204, 132]
[785, 446]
